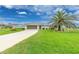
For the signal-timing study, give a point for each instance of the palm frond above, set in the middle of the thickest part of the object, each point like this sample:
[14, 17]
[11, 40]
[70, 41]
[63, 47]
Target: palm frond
[62, 18]
[69, 24]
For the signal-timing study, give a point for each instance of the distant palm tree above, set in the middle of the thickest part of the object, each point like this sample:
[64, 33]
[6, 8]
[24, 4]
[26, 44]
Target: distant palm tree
[62, 18]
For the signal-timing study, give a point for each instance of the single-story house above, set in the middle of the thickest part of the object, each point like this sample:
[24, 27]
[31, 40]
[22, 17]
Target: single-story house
[29, 25]
[36, 26]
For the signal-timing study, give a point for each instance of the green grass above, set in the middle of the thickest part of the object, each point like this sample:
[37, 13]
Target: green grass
[7, 31]
[48, 42]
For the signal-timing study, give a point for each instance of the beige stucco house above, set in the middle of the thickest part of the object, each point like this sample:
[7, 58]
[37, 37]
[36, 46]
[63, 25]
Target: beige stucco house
[36, 26]
[29, 25]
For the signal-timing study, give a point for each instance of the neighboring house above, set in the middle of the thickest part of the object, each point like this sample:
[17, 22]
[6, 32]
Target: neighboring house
[2, 25]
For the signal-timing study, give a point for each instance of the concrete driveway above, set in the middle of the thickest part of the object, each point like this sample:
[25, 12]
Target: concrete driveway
[7, 41]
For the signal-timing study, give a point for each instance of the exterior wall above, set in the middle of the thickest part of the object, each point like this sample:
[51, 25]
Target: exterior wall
[44, 27]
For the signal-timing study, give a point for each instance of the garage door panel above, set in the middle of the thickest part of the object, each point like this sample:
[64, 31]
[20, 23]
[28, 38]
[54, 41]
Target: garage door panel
[31, 26]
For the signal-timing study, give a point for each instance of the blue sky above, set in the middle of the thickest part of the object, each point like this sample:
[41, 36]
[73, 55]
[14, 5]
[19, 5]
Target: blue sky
[33, 13]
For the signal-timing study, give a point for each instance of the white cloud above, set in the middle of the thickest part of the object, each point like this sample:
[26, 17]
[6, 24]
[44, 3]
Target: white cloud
[17, 6]
[20, 16]
[42, 8]
[20, 6]
[6, 18]
[72, 7]
[70, 13]
[49, 13]
[38, 13]
[77, 12]
[22, 13]
[8, 6]
[59, 9]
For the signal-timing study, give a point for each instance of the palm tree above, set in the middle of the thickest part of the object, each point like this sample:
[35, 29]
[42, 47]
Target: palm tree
[62, 18]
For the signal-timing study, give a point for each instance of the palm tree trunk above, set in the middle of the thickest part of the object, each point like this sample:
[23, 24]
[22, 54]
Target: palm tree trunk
[59, 27]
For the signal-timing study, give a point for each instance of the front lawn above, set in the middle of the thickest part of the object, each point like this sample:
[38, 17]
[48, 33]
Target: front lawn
[7, 31]
[48, 42]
